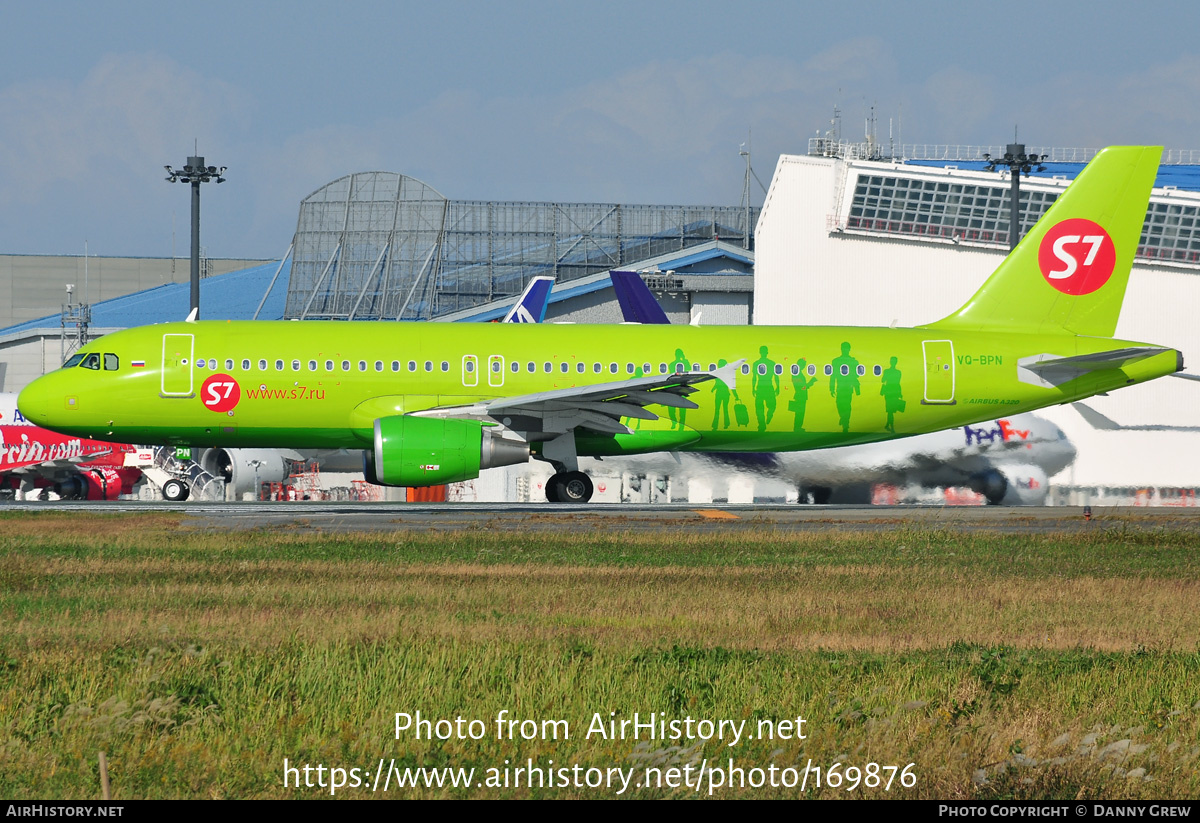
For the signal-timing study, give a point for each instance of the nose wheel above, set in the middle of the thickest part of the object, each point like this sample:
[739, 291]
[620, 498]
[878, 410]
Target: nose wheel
[569, 487]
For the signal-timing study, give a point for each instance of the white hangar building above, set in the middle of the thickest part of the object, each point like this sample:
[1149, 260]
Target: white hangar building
[846, 240]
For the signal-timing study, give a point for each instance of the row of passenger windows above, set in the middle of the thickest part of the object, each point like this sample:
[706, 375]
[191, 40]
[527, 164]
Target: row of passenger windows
[496, 366]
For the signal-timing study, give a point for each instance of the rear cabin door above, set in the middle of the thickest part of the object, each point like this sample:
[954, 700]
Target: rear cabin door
[939, 371]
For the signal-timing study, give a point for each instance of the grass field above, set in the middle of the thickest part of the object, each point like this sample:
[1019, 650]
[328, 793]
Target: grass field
[1000, 666]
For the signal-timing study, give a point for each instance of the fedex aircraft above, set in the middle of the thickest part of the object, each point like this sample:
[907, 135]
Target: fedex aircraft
[436, 403]
[32, 458]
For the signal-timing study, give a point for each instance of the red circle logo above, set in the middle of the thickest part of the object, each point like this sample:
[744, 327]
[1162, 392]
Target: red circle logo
[1077, 256]
[220, 393]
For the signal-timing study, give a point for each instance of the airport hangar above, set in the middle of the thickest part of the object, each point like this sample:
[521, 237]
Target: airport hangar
[845, 237]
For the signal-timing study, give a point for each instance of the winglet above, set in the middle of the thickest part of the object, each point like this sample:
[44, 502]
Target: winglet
[728, 374]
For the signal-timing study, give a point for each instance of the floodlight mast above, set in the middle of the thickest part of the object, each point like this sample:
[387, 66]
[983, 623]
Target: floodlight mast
[195, 172]
[1017, 161]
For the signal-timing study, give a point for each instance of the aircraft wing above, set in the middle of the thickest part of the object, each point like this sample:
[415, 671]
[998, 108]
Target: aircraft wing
[49, 468]
[598, 407]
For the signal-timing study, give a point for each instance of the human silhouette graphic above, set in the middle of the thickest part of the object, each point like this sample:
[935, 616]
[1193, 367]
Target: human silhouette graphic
[765, 383]
[893, 399]
[722, 399]
[843, 385]
[679, 364]
[801, 382]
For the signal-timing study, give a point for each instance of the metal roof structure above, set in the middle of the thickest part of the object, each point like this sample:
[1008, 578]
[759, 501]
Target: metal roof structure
[380, 245]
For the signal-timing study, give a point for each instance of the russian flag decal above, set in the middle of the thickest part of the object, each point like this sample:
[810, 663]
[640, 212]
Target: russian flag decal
[138, 364]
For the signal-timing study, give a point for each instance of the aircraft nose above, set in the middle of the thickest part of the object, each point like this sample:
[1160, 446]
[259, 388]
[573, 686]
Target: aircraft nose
[40, 403]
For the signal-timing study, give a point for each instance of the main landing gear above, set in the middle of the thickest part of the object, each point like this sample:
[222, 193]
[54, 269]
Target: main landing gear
[569, 487]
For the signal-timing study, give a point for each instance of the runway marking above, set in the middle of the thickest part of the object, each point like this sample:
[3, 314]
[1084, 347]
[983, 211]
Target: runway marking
[715, 514]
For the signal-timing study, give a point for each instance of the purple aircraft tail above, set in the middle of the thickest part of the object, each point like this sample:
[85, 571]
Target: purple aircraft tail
[637, 303]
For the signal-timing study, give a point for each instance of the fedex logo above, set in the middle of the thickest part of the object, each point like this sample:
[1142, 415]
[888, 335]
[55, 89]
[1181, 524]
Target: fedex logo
[1077, 256]
[1004, 430]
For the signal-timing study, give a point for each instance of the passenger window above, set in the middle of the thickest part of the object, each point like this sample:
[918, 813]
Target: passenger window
[795, 370]
[470, 367]
[778, 369]
[312, 365]
[878, 370]
[516, 367]
[812, 369]
[629, 368]
[378, 365]
[496, 366]
[111, 362]
[662, 368]
[548, 367]
[445, 365]
[862, 370]
[762, 369]
[328, 365]
[262, 365]
[845, 370]
[532, 367]
[597, 367]
[745, 368]
[92, 361]
[612, 368]
[201, 363]
[828, 369]
[295, 365]
[345, 365]
[278, 365]
[245, 365]
[565, 367]
[645, 368]
[428, 365]
[412, 365]
[362, 365]
[581, 367]
[228, 365]
[395, 365]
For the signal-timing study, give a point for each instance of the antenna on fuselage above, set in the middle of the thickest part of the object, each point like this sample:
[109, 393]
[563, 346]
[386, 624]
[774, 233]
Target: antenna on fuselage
[192, 315]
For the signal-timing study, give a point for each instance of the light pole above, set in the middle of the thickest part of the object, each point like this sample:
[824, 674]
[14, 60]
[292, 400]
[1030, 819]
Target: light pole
[1016, 161]
[195, 172]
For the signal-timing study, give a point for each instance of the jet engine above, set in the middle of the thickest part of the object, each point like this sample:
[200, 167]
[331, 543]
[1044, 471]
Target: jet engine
[1019, 485]
[426, 451]
[91, 484]
[243, 468]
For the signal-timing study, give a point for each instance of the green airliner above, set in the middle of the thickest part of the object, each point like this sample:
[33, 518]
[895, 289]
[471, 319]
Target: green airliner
[434, 403]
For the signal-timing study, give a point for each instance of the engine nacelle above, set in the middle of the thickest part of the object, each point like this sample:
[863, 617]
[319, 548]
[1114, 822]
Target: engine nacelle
[91, 484]
[427, 451]
[1012, 486]
[243, 468]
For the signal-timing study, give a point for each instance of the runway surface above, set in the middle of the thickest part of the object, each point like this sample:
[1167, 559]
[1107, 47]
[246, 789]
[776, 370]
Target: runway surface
[512, 517]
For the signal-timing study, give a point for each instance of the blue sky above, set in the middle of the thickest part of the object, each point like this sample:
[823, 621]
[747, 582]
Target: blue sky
[631, 102]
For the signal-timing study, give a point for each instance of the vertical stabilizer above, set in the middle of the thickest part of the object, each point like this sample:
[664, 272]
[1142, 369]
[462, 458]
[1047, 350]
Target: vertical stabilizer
[1071, 269]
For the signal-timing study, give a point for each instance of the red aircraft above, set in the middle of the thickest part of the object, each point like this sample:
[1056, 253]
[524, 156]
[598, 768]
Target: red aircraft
[33, 459]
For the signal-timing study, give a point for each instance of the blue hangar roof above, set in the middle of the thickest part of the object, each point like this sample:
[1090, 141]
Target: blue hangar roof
[232, 296]
[1185, 178]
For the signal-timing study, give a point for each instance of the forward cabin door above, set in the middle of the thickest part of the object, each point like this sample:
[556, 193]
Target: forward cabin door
[177, 365]
[939, 371]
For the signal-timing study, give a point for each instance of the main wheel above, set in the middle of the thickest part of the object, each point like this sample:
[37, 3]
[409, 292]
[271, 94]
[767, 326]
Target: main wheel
[569, 487]
[175, 490]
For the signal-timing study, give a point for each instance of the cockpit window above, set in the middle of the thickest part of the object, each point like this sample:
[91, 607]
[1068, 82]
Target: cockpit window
[111, 362]
[73, 362]
[91, 361]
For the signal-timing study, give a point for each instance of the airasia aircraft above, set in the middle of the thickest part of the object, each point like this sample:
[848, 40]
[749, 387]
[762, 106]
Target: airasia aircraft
[74, 468]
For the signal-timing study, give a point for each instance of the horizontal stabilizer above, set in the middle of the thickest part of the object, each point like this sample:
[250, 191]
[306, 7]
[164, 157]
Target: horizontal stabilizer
[1098, 421]
[1051, 370]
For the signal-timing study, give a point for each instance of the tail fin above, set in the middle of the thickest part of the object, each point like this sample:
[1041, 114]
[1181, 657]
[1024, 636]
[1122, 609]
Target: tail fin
[637, 303]
[531, 306]
[1070, 271]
